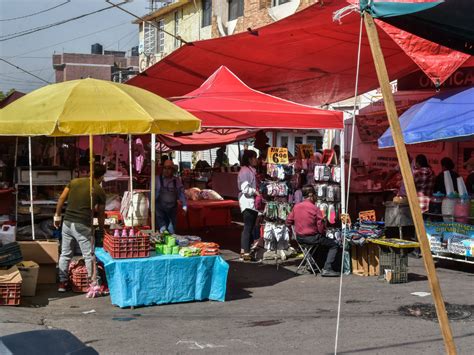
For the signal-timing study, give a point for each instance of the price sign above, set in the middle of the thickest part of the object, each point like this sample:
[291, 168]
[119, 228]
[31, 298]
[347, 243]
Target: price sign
[305, 151]
[277, 155]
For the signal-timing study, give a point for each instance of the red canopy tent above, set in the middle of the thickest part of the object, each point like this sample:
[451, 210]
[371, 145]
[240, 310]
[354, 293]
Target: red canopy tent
[204, 140]
[306, 57]
[224, 101]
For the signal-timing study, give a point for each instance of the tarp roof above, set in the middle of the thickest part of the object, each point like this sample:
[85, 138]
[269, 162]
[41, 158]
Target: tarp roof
[444, 116]
[306, 58]
[448, 22]
[224, 101]
[204, 140]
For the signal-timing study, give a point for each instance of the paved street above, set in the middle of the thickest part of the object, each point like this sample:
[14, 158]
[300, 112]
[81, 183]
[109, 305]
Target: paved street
[267, 311]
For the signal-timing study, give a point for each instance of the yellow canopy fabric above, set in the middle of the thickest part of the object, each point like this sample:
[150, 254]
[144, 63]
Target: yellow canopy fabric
[93, 107]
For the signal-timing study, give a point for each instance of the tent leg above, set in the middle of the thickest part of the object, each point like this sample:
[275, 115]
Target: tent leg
[15, 173]
[153, 182]
[131, 173]
[31, 190]
[409, 181]
[91, 189]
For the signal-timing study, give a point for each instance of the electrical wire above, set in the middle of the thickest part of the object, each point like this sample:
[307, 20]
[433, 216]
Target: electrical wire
[45, 27]
[24, 70]
[67, 41]
[35, 13]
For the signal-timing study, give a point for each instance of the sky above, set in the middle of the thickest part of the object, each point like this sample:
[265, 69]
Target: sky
[112, 28]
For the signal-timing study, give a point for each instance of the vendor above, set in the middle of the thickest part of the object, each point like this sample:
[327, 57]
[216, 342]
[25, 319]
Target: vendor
[78, 220]
[222, 161]
[446, 165]
[247, 184]
[310, 227]
[169, 189]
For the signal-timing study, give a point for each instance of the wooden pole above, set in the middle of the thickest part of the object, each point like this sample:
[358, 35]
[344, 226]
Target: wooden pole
[409, 182]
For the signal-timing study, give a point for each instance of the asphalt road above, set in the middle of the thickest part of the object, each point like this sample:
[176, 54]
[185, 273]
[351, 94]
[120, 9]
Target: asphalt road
[267, 311]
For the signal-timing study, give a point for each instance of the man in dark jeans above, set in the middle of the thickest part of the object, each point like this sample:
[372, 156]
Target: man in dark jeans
[310, 227]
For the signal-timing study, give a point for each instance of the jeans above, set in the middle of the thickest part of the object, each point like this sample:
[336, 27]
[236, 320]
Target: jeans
[250, 218]
[82, 234]
[325, 242]
[166, 219]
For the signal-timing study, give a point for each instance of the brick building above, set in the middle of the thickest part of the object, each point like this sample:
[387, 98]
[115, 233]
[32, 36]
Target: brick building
[112, 65]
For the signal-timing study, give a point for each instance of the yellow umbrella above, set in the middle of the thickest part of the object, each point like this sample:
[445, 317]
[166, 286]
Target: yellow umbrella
[93, 107]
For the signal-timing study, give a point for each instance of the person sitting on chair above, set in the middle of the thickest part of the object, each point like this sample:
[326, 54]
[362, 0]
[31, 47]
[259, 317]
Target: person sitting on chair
[310, 226]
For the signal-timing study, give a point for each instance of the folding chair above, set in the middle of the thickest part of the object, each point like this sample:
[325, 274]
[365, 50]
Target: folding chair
[308, 251]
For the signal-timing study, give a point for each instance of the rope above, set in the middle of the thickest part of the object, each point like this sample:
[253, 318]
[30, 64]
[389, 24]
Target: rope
[348, 184]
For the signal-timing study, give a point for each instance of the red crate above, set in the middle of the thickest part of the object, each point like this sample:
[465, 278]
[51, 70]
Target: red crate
[10, 294]
[127, 247]
[79, 281]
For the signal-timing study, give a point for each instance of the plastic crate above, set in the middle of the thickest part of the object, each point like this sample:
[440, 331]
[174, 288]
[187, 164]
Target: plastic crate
[396, 260]
[127, 247]
[79, 281]
[10, 294]
[10, 254]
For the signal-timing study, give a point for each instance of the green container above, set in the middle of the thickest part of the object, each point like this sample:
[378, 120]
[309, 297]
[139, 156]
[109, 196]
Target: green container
[165, 238]
[167, 250]
[175, 250]
[159, 248]
[171, 241]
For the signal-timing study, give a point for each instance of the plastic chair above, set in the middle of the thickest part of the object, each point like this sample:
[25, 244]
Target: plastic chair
[308, 251]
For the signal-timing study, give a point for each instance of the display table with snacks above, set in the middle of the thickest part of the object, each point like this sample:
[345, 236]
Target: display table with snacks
[161, 279]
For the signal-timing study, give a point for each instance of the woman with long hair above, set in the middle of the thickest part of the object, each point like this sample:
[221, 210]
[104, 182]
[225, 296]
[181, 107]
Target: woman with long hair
[247, 184]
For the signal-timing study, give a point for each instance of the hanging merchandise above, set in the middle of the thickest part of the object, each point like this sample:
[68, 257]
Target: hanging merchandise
[321, 191]
[336, 174]
[333, 193]
[275, 189]
[276, 236]
[277, 211]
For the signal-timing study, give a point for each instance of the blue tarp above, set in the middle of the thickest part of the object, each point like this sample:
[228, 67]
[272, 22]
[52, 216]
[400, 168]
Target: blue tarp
[164, 279]
[444, 116]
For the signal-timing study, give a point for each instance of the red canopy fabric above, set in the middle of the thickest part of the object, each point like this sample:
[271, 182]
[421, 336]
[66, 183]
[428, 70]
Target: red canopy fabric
[307, 58]
[225, 101]
[204, 140]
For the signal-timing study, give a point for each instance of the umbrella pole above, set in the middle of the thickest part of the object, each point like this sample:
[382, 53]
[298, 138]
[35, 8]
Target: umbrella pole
[15, 163]
[153, 182]
[131, 173]
[91, 189]
[238, 152]
[31, 190]
[408, 180]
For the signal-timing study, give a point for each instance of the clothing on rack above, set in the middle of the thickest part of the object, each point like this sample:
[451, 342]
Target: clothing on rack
[274, 189]
[277, 211]
[276, 236]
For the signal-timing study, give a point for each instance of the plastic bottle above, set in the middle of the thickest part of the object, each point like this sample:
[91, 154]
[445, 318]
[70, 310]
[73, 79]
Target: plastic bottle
[124, 233]
[461, 210]
[447, 206]
[131, 233]
[116, 233]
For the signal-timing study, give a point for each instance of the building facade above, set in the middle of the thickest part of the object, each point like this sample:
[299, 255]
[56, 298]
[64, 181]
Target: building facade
[106, 65]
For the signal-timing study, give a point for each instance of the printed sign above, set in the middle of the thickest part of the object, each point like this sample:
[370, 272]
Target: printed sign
[305, 151]
[454, 238]
[277, 155]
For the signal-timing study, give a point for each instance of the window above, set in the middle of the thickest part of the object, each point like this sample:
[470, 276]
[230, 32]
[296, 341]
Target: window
[298, 141]
[236, 9]
[279, 2]
[177, 19]
[161, 36]
[206, 13]
[316, 141]
[149, 39]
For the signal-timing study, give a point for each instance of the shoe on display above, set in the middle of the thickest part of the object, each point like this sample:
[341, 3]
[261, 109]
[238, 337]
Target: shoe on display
[62, 287]
[330, 273]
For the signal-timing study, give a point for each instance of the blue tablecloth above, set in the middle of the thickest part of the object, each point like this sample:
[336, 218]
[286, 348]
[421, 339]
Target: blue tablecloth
[164, 279]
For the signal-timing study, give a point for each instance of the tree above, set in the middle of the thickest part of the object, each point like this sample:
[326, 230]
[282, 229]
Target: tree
[3, 95]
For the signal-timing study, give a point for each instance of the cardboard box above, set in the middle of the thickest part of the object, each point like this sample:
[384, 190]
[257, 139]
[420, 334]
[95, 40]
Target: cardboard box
[47, 274]
[10, 275]
[29, 273]
[40, 251]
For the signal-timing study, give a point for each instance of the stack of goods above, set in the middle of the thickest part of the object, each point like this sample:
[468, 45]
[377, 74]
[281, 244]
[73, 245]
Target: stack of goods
[127, 244]
[78, 276]
[10, 287]
[10, 254]
[207, 249]
[167, 246]
[364, 230]
[196, 194]
[190, 251]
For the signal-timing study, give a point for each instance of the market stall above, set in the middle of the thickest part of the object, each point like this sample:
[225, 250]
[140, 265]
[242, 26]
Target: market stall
[446, 116]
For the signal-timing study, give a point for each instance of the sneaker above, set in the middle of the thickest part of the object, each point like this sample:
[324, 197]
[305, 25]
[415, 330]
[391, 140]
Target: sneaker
[62, 287]
[330, 273]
